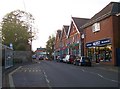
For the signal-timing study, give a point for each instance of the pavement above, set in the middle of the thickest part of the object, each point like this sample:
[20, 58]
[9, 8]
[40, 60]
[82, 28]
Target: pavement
[5, 74]
[107, 67]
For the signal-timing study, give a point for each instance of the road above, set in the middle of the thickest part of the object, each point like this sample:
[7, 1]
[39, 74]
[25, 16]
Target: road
[55, 74]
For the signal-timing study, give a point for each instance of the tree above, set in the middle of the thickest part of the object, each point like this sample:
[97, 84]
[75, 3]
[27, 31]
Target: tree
[17, 29]
[50, 45]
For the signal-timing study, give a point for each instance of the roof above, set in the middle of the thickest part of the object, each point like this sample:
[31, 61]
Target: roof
[59, 33]
[80, 22]
[112, 8]
[66, 28]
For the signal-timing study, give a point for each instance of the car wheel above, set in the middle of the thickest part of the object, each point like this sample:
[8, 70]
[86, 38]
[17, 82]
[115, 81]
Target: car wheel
[74, 63]
[81, 64]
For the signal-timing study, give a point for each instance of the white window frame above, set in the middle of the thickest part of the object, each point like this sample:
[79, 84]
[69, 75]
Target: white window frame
[96, 27]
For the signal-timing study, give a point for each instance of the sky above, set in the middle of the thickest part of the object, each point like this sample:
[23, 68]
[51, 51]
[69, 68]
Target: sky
[51, 15]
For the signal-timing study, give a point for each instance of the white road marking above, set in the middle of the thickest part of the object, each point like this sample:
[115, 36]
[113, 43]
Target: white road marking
[10, 77]
[29, 70]
[36, 70]
[25, 70]
[83, 70]
[100, 76]
[48, 82]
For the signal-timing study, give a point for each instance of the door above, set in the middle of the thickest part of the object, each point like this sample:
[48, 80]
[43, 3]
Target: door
[118, 56]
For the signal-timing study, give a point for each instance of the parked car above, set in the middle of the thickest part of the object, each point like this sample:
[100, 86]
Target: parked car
[77, 61]
[71, 59]
[85, 61]
[45, 58]
[33, 56]
[41, 58]
[66, 59]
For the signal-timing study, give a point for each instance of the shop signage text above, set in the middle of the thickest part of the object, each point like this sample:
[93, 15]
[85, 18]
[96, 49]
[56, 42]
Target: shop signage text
[98, 43]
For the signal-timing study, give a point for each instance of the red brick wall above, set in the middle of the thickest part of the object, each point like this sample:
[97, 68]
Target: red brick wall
[106, 31]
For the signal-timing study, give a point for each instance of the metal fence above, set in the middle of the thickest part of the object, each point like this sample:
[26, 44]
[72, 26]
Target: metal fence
[7, 57]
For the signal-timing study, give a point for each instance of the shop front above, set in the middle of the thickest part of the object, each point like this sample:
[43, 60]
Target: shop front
[64, 50]
[74, 49]
[100, 50]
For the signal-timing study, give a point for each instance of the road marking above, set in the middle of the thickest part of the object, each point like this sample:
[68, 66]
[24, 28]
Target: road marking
[11, 82]
[40, 70]
[36, 70]
[33, 70]
[101, 76]
[48, 82]
[25, 70]
[83, 70]
[29, 70]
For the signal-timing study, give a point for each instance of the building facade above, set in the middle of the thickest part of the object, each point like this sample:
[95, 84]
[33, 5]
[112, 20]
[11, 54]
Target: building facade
[74, 36]
[63, 40]
[97, 38]
[101, 35]
[57, 44]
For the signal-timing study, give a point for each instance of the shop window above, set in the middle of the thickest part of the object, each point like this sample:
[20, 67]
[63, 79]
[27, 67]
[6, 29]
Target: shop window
[103, 53]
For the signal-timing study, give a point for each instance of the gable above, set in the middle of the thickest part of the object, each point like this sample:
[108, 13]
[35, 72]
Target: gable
[63, 36]
[58, 36]
[73, 30]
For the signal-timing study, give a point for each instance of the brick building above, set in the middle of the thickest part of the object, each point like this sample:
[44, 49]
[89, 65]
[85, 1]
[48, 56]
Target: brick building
[97, 37]
[63, 40]
[102, 34]
[57, 43]
[74, 35]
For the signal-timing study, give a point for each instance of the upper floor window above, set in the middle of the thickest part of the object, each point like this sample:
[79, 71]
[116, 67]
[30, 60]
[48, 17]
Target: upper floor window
[96, 27]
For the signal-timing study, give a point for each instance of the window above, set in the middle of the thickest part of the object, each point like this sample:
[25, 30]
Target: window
[96, 27]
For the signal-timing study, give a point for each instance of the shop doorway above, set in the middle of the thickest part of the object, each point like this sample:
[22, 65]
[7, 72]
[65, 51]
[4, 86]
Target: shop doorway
[118, 56]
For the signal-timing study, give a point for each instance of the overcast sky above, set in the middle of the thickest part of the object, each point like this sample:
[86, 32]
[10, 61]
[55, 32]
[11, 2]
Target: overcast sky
[51, 15]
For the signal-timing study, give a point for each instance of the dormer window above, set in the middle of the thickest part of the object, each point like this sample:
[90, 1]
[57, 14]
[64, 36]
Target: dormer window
[96, 27]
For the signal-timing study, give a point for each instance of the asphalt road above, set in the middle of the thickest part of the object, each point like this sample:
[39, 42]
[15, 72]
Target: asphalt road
[55, 74]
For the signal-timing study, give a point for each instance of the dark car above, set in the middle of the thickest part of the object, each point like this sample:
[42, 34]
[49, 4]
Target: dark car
[41, 58]
[58, 59]
[72, 58]
[77, 61]
[85, 61]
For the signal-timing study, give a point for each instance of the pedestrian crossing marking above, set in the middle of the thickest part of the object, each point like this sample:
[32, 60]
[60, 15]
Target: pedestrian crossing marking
[29, 70]
[37, 69]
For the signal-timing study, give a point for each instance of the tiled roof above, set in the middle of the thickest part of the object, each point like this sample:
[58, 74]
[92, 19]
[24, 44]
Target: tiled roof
[111, 9]
[59, 33]
[66, 28]
[80, 21]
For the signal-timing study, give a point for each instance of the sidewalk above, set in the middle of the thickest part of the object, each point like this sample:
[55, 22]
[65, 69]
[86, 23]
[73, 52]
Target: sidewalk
[5, 81]
[107, 67]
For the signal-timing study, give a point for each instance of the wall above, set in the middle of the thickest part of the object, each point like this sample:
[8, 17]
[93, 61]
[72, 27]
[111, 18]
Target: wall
[22, 56]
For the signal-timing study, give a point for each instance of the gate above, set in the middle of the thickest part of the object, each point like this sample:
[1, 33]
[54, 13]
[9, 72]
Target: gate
[118, 56]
